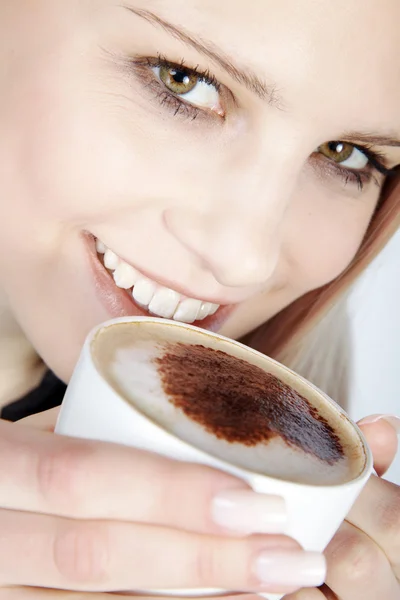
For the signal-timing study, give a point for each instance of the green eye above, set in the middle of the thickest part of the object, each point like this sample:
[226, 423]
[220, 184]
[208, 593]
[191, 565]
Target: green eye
[344, 154]
[178, 81]
[194, 88]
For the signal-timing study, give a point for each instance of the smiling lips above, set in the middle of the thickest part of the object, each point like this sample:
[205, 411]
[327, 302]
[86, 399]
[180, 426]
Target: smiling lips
[149, 295]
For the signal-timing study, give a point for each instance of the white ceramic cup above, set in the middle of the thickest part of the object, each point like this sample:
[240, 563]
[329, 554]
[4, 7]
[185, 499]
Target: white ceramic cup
[93, 409]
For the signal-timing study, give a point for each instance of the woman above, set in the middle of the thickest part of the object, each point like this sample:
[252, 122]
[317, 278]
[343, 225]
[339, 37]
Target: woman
[234, 165]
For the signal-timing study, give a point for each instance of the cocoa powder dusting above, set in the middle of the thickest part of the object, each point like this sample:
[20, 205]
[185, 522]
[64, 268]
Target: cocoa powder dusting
[240, 403]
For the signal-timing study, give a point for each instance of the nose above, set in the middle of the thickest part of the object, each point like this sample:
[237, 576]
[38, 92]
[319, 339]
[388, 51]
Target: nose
[240, 248]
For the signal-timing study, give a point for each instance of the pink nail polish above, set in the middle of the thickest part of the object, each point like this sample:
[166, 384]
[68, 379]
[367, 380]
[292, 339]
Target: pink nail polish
[392, 419]
[291, 569]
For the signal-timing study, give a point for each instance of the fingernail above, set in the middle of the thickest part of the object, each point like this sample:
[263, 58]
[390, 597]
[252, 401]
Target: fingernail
[392, 419]
[246, 512]
[296, 569]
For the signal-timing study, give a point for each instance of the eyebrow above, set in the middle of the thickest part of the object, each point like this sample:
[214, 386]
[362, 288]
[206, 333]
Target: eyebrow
[372, 138]
[244, 76]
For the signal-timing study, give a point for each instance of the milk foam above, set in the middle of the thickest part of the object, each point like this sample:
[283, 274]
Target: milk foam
[127, 356]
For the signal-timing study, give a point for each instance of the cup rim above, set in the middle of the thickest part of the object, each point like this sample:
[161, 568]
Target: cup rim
[368, 458]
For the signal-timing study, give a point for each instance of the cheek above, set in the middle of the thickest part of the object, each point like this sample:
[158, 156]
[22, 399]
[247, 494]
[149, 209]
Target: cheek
[87, 159]
[73, 167]
[324, 232]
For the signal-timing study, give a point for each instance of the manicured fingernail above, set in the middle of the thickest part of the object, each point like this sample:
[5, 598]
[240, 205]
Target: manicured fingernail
[296, 569]
[247, 512]
[392, 419]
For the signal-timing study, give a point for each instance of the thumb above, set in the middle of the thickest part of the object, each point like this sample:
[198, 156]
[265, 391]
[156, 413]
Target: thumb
[381, 432]
[45, 421]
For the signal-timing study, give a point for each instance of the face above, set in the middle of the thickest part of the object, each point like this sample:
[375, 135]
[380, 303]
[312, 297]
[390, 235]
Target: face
[224, 153]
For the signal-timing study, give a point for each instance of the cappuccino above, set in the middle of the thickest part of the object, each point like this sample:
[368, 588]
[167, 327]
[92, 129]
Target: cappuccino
[230, 402]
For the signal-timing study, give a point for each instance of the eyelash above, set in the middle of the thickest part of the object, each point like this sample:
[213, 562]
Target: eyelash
[178, 106]
[363, 176]
[166, 98]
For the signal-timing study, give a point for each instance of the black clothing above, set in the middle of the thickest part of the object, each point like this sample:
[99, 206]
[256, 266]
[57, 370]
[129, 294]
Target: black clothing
[47, 395]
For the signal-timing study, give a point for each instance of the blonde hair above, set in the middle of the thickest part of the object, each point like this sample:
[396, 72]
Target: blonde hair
[310, 336]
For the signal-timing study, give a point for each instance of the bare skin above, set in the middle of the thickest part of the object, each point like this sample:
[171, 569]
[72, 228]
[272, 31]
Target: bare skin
[247, 201]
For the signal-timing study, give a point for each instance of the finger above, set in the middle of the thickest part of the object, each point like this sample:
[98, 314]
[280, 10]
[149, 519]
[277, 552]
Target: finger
[52, 474]
[101, 556]
[45, 421]
[382, 438]
[377, 513]
[18, 593]
[357, 567]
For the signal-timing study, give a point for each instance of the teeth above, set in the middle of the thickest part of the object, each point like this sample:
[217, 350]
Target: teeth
[214, 308]
[164, 303]
[111, 260]
[100, 247]
[158, 300]
[204, 310]
[144, 291]
[125, 276]
[188, 310]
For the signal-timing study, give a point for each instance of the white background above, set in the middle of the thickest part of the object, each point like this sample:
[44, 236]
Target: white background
[374, 311]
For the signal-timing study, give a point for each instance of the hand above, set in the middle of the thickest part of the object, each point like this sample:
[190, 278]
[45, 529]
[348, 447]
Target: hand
[40, 594]
[88, 517]
[364, 556]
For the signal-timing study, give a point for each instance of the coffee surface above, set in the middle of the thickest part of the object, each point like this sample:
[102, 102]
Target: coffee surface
[230, 402]
[241, 403]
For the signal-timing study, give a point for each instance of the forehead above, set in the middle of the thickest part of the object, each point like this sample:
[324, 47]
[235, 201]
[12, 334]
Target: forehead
[337, 58]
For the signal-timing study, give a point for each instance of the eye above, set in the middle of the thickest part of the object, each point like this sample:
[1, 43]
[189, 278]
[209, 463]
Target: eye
[344, 154]
[190, 86]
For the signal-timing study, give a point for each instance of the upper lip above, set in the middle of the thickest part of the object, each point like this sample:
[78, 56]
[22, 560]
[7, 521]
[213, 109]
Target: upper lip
[172, 285]
[180, 289]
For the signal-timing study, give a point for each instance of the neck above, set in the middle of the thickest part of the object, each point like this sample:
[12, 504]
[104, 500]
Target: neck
[20, 366]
